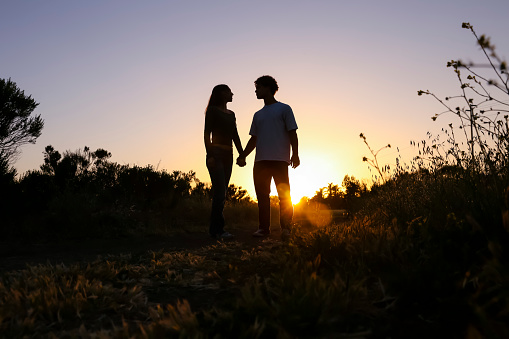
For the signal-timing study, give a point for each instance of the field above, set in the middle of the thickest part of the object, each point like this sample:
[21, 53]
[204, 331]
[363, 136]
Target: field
[357, 278]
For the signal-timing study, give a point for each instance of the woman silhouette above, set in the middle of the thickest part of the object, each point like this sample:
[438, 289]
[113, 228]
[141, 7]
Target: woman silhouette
[220, 131]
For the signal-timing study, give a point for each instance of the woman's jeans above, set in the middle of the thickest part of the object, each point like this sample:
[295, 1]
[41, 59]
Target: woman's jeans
[219, 164]
[263, 172]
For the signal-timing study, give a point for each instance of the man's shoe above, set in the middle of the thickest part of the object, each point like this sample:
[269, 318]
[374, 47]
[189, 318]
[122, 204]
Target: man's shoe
[261, 233]
[285, 234]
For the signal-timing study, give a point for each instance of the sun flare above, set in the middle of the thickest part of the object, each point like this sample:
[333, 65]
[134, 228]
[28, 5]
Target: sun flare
[316, 171]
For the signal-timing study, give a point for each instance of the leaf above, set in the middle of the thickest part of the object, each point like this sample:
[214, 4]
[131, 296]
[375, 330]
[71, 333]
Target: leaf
[466, 25]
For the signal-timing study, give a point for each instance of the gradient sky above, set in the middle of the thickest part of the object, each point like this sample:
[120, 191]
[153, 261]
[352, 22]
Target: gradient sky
[134, 77]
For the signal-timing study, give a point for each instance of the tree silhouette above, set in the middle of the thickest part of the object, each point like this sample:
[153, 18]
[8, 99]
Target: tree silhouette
[235, 194]
[17, 125]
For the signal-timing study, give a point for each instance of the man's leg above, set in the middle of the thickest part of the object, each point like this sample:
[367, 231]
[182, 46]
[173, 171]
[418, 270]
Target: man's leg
[262, 178]
[283, 190]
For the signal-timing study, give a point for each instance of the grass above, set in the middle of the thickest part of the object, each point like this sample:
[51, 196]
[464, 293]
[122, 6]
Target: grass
[355, 279]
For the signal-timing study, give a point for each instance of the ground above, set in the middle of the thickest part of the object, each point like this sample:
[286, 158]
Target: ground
[17, 254]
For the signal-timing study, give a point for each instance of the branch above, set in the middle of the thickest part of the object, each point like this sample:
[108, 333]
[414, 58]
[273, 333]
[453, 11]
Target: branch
[485, 43]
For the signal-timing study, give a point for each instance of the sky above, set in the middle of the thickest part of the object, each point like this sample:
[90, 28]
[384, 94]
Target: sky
[134, 77]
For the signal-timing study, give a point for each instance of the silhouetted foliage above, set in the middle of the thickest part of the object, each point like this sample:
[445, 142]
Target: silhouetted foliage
[82, 193]
[319, 196]
[482, 138]
[7, 188]
[201, 191]
[373, 161]
[347, 197]
[17, 125]
[448, 214]
[235, 194]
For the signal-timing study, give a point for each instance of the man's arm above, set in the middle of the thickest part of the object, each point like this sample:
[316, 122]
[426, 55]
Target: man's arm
[294, 141]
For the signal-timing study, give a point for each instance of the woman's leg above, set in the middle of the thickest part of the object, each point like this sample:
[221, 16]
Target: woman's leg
[217, 176]
[227, 170]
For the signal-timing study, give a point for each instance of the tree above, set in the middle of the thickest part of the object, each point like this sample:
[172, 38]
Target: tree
[335, 197]
[74, 164]
[201, 190]
[17, 125]
[353, 187]
[319, 196]
[332, 190]
[354, 190]
[235, 194]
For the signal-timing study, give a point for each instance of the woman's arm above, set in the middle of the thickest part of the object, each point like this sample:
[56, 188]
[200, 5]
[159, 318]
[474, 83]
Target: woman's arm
[206, 139]
[236, 141]
[251, 145]
[208, 131]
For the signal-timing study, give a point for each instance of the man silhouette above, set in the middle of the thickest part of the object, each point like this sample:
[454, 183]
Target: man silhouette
[273, 132]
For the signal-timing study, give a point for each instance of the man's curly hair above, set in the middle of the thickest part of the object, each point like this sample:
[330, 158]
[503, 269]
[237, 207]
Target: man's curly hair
[268, 81]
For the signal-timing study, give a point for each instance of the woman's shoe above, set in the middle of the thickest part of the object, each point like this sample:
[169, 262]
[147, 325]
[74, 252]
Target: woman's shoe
[225, 235]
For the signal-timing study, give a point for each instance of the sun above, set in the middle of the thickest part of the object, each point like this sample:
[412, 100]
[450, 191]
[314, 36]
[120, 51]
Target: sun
[302, 185]
[316, 171]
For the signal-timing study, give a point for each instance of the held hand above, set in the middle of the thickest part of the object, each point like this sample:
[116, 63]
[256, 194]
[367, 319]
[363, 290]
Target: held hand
[241, 161]
[295, 161]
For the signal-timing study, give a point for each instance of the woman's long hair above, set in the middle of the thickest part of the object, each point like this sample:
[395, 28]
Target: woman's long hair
[215, 98]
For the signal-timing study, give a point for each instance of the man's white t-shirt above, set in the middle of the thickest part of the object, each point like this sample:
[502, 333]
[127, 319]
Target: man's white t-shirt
[271, 125]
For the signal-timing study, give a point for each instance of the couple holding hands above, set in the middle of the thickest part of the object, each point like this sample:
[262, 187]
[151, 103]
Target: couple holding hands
[273, 133]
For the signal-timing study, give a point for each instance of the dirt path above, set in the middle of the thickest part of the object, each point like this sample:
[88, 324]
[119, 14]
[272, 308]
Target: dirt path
[16, 255]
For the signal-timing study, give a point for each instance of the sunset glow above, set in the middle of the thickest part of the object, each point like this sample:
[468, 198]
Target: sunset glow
[315, 173]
